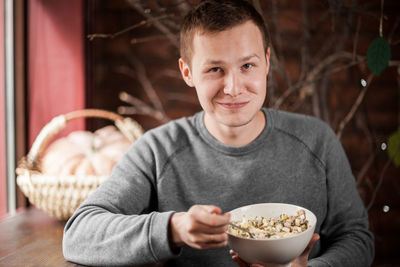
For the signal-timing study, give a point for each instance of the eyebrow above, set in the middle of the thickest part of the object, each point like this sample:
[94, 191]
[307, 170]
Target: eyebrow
[219, 62]
[250, 57]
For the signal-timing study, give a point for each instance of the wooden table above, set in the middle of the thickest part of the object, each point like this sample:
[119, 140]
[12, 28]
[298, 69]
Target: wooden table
[31, 238]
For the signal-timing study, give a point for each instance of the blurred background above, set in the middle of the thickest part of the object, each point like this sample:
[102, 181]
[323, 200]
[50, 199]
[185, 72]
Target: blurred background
[338, 60]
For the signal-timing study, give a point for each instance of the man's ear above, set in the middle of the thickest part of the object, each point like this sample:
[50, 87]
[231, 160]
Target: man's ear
[186, 73]
[267, 57]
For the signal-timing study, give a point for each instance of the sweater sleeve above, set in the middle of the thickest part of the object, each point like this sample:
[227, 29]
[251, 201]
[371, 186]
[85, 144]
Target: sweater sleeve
[345, 236]
[117, 224]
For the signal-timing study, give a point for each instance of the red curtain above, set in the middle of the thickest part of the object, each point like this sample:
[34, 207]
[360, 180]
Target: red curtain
[3, 180]
[55, 62]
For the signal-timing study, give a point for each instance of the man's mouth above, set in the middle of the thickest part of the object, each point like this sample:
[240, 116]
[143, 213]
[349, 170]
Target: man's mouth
[233, 105]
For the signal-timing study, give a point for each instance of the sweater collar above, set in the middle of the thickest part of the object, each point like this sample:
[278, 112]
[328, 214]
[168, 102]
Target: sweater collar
[234, 150]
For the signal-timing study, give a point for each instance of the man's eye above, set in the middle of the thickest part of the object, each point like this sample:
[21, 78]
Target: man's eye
[215, 69]
[247, 66]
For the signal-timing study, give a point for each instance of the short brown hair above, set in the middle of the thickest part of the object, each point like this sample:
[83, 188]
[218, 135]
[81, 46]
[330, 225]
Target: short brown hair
[212, 16]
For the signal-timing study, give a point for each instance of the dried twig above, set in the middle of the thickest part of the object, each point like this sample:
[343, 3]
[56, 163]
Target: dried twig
[355, 106]
[277, 60]
[91, 37]
[277, 34]
[146, 84]
[365, 168]
[172, 37]
[182, 98]
[398, 93]
[278, 65]
[171, 73]
[304, 51]
[139, 107]
[315, 73]
[324, 85]
[378, 186]
[362, 123]
[394, 63]
[147, 39]
[339, 45]
[355, 42]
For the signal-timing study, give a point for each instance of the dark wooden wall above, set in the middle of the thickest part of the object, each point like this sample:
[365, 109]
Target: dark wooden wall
[331, 26]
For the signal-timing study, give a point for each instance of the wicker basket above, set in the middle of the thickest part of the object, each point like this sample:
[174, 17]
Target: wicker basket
[59, 196]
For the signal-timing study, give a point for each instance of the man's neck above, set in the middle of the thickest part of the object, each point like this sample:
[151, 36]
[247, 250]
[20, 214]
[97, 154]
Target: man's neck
[237, 136]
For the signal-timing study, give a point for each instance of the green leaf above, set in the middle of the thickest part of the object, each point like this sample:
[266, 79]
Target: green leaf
[394, 148]
[378, 55]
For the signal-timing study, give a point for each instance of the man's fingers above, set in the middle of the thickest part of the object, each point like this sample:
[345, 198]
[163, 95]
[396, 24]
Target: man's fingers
[204, 227]
[209, 241]
[213, 230]
[209, 238]
[205, 246]
[242, 263]
[238, 260]
[313, 240]
[310, 245]
[209, 215]
[212, 209]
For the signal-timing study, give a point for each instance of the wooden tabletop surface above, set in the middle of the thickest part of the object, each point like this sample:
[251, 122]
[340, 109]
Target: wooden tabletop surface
[31, 238]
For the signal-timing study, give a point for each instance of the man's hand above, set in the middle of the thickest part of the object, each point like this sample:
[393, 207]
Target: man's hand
[201, 227]
[300, 261]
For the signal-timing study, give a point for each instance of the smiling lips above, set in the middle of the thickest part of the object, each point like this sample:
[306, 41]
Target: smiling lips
[236, 105]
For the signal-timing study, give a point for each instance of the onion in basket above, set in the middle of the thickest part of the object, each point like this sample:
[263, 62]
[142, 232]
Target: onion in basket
[85, 153]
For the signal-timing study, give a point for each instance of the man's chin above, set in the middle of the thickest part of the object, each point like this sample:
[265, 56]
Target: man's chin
[235, 122]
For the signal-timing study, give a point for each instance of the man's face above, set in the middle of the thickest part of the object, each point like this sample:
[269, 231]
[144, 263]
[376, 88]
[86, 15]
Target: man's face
[229, 71]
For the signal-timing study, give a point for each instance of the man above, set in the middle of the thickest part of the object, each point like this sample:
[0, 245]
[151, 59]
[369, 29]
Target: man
[168, 198]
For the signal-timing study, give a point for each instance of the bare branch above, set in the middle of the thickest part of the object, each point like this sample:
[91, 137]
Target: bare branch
[304, 51]
[142, 111]
[398, 93]
[315, 73]
[182, 98]
[147, 39]
[378, 186]
[355, 42]
[170, 73]
[277, 61]
[172, 37]
[140, 74]
[338, 46]
[324, 85]
[362, 122]
[321, 20]
[134, 101]
[278, 65]
[355, 106]
[365, 168]
[393, 63]
[91, 37]
[140, 107]
[325, 50]
[306, 59]
[146, 84]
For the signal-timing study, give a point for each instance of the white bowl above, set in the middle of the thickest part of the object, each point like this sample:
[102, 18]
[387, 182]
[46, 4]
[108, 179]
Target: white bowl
[275, 251]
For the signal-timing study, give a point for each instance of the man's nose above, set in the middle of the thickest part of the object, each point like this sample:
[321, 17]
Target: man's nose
[232, 84]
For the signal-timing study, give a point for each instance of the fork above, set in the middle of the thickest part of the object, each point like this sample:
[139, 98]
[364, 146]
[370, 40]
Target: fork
[242, 229]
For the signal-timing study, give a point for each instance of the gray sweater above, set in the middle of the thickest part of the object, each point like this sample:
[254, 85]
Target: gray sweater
[297, 159]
